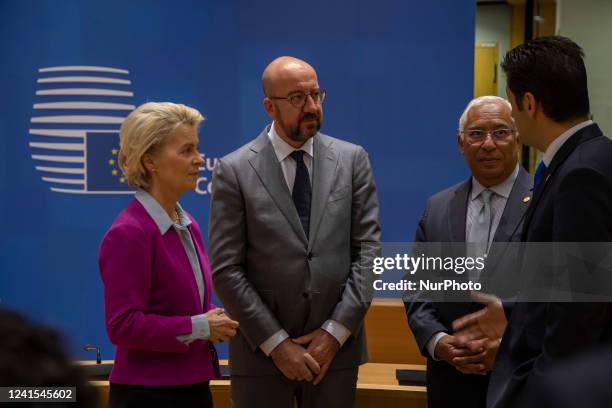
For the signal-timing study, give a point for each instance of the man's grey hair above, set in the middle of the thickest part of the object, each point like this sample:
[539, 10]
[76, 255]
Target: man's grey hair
[478, 101]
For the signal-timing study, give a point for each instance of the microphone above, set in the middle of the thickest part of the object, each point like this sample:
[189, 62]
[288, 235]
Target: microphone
[90, 347]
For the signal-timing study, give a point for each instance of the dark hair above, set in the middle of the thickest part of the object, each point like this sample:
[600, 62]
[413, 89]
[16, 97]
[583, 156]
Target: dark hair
[31, 355]
[552, 69]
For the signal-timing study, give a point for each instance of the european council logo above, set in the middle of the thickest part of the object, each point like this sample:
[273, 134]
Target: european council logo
[74, 132]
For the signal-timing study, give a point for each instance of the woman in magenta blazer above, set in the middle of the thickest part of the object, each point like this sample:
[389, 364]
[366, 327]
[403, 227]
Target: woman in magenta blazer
[157, 282]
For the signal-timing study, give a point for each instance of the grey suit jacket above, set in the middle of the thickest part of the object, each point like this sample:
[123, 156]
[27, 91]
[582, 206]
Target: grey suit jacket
[267, 274]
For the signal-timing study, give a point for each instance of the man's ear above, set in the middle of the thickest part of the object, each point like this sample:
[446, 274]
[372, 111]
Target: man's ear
[519, 144]
[460, 142]
[269, 107]
[530, 104]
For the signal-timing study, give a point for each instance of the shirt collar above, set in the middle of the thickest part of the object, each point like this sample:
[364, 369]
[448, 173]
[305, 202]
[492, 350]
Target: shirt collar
[159, 215]
[556, 144]
[502, 189]
[284, 149]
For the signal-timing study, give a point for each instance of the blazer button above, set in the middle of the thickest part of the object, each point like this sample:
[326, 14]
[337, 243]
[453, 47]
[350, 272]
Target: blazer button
[309, 256]
[305, 295]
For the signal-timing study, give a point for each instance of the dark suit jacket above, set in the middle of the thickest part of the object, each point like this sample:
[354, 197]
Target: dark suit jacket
[572, 204]
[582, 382]
[444, 220]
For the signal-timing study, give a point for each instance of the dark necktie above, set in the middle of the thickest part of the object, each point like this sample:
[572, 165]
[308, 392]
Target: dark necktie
[302, 192]
[537, 177]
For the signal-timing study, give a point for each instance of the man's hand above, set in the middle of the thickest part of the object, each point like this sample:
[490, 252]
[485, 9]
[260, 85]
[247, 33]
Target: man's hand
[294, 361]
[449, 347]
[479, 363]
[221, 326]
[487, 323]
[322, 346]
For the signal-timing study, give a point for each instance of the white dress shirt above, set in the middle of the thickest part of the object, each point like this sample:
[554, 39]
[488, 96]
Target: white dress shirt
[283, 150]
[556, 144]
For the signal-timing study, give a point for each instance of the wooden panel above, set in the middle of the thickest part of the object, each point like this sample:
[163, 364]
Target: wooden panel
[220, 390]
[546, 20]
[517, 25]
[389, 337]
[485, 69]
[545, 16]
[371, 374]
[102, 388]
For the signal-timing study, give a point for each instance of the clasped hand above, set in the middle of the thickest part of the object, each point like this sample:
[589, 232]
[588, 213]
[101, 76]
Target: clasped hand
[473, 347]
[306, 358]
[473, 357]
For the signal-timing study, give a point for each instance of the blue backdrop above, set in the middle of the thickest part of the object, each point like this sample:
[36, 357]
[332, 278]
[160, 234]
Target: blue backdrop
[398, 75]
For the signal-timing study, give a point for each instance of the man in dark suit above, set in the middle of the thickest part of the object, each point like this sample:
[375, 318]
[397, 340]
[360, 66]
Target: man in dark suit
[572, 202]
[493, 200]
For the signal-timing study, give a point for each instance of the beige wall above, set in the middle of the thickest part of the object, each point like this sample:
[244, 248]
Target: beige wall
[589, 23]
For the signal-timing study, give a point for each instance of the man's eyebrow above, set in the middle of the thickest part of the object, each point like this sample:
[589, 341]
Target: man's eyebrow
[496, 124]
[302, 92]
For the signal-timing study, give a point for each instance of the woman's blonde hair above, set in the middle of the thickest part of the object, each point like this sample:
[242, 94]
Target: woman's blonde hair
[145, 131]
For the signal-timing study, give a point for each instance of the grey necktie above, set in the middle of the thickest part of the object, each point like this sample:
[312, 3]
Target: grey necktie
[481, 227]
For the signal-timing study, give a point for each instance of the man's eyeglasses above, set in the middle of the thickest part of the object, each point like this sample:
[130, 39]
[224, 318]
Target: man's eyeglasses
[475, 136]
[298, 99]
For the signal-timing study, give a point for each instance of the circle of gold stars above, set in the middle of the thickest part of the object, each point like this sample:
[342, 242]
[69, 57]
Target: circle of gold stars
[112, 162]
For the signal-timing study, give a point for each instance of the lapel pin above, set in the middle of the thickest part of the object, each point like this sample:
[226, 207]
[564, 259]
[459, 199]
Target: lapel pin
[526, 199]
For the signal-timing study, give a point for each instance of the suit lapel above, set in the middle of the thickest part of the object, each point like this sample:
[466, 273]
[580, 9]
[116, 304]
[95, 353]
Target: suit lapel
[568, 147]
[458, 211]
[457, 214]
[324, 166]
[516, 205]
[513, 214]
[266, 165]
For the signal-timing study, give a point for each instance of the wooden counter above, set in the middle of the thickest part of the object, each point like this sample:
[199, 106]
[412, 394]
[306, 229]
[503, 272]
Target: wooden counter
[376, 387]
[391, 345]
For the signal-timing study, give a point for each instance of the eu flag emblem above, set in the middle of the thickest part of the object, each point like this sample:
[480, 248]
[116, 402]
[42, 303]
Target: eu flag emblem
[103, 172]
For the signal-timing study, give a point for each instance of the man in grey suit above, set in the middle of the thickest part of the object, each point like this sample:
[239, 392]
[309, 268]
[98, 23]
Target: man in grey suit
[290, 211]
[487, 207]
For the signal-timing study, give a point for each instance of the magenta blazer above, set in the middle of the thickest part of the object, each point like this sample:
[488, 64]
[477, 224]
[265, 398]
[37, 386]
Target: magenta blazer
[150, 294]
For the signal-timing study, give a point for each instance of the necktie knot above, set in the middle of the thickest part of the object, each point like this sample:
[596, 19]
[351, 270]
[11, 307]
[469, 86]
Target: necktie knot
[480, 234]
[484, 215]
[486, 196]
[298, 156]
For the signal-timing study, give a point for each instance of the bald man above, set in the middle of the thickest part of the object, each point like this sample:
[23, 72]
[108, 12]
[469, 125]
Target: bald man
[290, 211]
